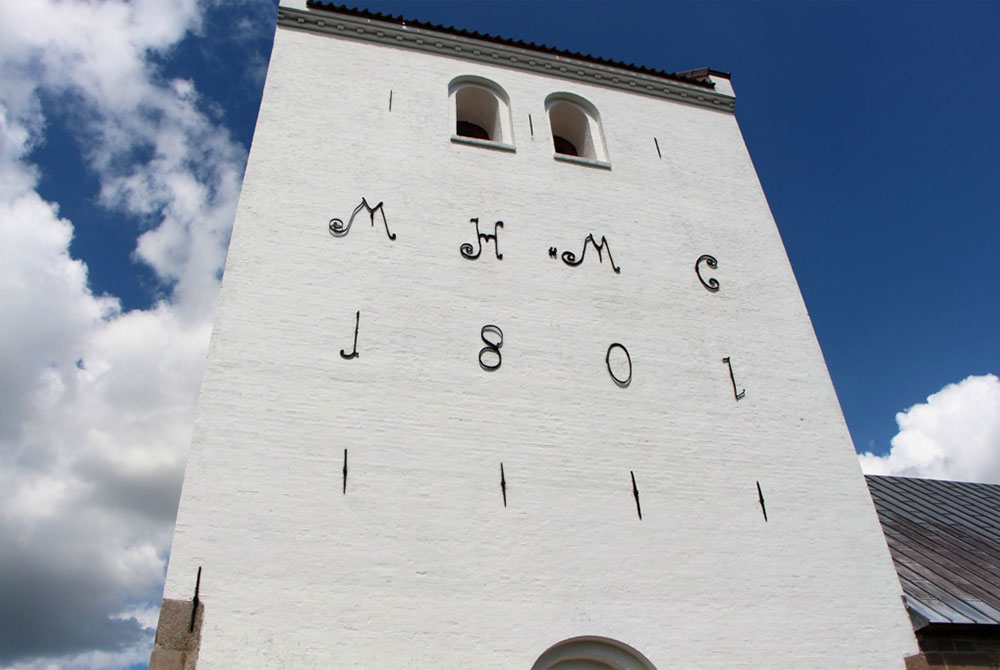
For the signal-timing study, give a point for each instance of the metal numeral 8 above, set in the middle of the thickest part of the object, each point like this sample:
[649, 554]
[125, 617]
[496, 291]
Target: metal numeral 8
[491, 347]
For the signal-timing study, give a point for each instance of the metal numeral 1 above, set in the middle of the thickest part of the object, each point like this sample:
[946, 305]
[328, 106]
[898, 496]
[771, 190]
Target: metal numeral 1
[353, 354]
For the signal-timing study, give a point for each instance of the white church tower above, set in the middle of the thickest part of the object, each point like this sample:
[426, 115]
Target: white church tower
[511, 372]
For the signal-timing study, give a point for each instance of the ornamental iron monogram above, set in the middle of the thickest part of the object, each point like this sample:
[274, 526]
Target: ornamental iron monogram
[607, 361]
[338, 229]
[712, 284]
[569, 258]
[739, 395]
[491, 347]
[466, 248]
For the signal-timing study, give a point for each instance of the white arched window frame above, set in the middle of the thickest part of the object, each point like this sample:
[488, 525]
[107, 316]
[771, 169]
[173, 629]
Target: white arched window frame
[592, 653]
[480, 113]
[577, 135]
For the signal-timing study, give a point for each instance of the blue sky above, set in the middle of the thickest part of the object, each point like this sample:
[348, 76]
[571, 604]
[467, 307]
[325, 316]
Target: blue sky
[124, 130]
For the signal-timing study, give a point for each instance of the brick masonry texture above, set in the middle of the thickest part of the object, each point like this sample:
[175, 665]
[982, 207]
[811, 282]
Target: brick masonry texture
[419, 565]
[966, 647]
[176, 645]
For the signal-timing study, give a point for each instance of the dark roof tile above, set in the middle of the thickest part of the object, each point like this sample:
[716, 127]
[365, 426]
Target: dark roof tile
[452, 30]
[944, 538]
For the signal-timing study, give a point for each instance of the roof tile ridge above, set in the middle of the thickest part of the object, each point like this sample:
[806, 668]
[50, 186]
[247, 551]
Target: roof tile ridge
[378, 16]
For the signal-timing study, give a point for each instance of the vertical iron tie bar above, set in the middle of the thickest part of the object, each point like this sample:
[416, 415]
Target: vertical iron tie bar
[503, 485]
[635, 493]
[195, 602]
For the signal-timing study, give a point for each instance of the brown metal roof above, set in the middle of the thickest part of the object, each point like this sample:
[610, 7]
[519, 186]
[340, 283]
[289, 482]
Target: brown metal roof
[944, 538]
[694, 77]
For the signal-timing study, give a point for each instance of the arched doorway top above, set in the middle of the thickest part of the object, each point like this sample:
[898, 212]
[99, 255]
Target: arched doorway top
[591, 652]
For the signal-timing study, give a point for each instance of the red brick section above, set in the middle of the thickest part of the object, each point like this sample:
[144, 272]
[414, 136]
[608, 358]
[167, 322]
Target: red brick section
[952, 661]
[961, 648]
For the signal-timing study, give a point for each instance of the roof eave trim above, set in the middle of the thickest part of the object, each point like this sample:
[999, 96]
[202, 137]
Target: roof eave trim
[369, 30]
[919, 615]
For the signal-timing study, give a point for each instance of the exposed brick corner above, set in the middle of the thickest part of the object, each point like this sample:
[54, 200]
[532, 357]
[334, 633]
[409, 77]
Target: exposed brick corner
[176, 646]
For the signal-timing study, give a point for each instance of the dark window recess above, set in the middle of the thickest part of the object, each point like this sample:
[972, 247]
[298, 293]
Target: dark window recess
[564, 146]
[466, 129]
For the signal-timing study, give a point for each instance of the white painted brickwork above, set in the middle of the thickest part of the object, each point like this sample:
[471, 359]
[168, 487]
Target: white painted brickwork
[420, 565]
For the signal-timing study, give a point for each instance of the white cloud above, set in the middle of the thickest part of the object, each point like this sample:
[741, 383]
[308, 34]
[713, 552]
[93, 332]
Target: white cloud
[130, 656]
[96, 404]
[954, 435]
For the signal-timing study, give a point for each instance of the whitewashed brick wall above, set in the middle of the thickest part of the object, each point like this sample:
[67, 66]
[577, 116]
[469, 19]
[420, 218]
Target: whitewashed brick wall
[420, 565]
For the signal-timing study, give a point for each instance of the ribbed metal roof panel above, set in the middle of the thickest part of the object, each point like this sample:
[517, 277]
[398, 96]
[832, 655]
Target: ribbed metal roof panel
[944, 538]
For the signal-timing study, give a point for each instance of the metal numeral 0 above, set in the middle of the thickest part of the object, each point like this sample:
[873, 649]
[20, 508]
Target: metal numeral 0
[607, 361]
